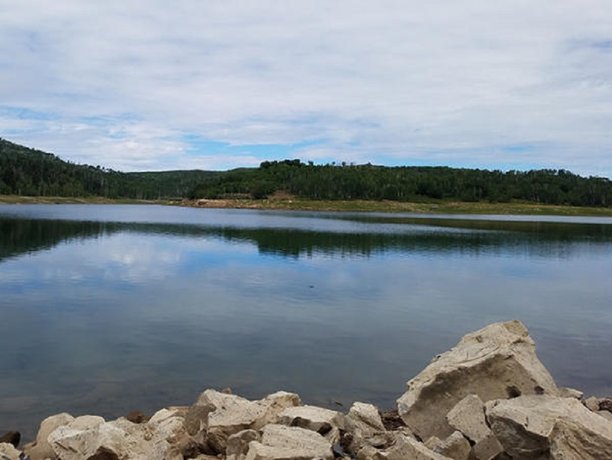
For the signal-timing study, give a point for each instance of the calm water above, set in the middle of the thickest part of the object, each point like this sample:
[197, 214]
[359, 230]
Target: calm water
[105, 309]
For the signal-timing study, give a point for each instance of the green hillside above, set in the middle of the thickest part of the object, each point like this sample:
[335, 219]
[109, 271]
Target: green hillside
[30, 172]
[370, 182]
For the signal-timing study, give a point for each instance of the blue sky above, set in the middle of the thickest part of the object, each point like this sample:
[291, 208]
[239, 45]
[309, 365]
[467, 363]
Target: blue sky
[136, 85]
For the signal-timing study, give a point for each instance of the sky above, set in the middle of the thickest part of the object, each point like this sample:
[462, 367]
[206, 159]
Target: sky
[217, 84]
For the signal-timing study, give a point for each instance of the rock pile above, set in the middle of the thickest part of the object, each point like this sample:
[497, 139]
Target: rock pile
[487, 398]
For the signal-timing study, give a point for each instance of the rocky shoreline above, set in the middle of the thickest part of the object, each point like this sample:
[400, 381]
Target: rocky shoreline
[489, 397]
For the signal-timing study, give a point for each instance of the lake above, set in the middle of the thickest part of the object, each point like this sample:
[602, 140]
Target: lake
[109, 308]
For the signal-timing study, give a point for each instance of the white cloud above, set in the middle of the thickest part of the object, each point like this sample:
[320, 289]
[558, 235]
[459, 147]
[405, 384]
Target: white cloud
[122, 83]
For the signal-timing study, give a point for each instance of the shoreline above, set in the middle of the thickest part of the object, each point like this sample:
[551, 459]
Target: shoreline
[489, 397]
[297, 204]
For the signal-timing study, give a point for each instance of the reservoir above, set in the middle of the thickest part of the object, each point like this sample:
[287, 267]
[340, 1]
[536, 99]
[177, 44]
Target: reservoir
[109, 308]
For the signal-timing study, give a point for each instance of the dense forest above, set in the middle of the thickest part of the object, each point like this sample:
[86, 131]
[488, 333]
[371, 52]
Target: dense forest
[25, 171]
[369, 182]
[29, 172]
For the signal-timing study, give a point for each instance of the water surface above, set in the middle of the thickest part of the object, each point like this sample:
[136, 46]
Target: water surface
[105, 309]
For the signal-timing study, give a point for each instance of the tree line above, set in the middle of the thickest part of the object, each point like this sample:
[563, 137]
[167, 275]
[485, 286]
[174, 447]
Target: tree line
[408, 183]
[26, 171]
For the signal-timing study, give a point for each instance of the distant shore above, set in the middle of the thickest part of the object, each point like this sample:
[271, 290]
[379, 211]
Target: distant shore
[298, 204]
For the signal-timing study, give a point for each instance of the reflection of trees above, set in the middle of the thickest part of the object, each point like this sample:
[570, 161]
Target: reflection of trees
[20, 236]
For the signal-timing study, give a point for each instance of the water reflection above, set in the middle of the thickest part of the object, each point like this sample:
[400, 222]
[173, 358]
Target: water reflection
[105, 315]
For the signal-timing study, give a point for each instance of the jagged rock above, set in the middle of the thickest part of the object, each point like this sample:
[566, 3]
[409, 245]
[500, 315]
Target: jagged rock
[365, 418]
[498, 361]
[532, 426]
[238, 444]
[391, 420]
[40, 449]
[11, 437]
[407, 448]
[280, 442]
[468, 416]
[89, 437]
[566, 392]
[312, 418]
[233, 413]
[455, 446]
[9, 452]
[592, 403]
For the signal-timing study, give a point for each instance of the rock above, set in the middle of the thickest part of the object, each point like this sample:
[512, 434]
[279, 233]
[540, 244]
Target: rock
[280, 442]
[366, 417]
[40, 449]
[9, 452]
[533, 426]
[196, 418]
[408, 448]
[238, 444]
[136, 417]
[605, 414]
[312, 418]
[11, 437]
[89, 437]
[367, 453]
[498, 361]
[233, 414]
[592, 403]
[468, 416]
[391, 420]
[274, 405]
[455, 447]
[605, 404]
[487, 448]
[565, 392]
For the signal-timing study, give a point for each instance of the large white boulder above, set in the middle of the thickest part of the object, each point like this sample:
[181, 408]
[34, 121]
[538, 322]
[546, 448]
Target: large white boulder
[498, 361]
[561, 428]
[40, 449]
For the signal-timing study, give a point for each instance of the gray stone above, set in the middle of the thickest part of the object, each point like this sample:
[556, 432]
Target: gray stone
[498, 361]
[455, 447]
[532, 426]
[468, 416]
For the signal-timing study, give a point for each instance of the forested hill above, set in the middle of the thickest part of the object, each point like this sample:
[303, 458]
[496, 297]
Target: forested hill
[368, 182]
[25, 171]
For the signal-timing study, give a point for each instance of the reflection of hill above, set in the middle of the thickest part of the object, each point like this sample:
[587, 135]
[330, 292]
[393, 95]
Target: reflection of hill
[448, 236]
[19, 236]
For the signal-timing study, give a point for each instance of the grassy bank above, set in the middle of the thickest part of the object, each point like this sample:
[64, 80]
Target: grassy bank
[297, 204]
[434, 207]
[14, 199]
